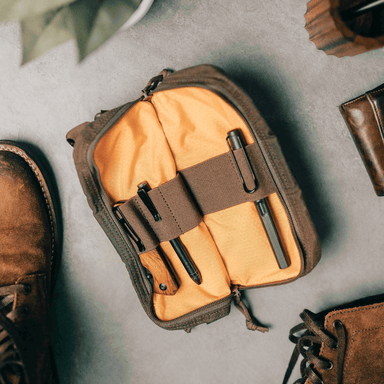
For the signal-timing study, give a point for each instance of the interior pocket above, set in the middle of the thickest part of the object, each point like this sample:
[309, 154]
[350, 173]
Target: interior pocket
[158, 138]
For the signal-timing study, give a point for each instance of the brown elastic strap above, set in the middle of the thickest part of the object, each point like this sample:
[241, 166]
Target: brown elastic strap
[177, 210]
[74, 132]
[216, 183]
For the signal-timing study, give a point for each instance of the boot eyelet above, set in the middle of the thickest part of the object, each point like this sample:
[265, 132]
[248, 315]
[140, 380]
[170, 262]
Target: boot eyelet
[330, 366]
[337, 322]
[25, 311]
[27, 289]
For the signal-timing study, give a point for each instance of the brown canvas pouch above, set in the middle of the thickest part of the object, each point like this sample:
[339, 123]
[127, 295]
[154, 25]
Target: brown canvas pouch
[204, 193]
[364, 118]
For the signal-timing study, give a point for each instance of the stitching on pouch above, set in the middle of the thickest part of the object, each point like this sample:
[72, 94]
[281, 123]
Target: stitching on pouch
[170, 210]
[34, 168]
[236, 173]
[108, 225]
[138, 205]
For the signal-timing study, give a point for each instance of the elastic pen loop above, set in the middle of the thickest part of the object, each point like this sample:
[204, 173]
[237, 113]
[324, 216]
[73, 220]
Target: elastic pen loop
[246, 189]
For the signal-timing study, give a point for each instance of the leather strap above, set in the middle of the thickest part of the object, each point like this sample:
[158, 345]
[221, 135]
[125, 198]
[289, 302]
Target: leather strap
[207, 187]
[216, 184]
[177, 210]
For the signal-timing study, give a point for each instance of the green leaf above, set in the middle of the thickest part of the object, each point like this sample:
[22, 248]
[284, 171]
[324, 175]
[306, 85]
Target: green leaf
[43, 32]
[95, 24]
[21, 9]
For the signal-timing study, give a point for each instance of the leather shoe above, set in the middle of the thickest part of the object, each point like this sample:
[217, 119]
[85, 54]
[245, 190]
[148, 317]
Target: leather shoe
[30, 247]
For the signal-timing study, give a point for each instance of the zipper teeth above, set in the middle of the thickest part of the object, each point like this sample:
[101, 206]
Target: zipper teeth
[200, 311]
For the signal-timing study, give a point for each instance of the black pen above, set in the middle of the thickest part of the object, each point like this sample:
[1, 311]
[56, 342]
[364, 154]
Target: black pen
[177, 245]
[262, 207]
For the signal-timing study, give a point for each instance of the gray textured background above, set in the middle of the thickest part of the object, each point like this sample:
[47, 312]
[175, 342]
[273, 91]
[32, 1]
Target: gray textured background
[102, 335]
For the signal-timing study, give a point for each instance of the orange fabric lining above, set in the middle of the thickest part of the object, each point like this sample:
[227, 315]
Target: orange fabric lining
[190, 296]
[230, 246]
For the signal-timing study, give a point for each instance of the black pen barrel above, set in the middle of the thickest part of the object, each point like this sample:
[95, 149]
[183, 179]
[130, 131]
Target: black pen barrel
[185, 260]
[235, 139]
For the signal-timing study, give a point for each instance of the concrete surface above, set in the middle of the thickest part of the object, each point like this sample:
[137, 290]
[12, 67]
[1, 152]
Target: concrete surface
[102, 335]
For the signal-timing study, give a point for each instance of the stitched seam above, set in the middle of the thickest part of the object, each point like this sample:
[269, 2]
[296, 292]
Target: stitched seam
[237, 174]
[170, 210]
[353, 310]
[137, 201]
[34, 168]
[107, 224]
[27, 276]
[90, 188]
[354, 100]
[275, 161]
[377, 115]
[352, 341]
[377, 91]
[138, 206]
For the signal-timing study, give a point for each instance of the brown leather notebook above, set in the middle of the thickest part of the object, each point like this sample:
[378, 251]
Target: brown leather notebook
[364, 118]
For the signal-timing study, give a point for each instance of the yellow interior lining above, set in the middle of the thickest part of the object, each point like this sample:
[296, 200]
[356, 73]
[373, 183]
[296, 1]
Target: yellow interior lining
[173, 130]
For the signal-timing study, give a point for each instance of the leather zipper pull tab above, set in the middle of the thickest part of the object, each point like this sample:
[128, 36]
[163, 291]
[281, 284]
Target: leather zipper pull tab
[250, 321]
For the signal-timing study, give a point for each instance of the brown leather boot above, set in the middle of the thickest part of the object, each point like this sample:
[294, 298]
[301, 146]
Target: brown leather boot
[29, 248]
[341, 346]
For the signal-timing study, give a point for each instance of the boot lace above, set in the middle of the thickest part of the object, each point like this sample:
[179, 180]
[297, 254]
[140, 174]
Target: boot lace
[308, 345]
[12, 367]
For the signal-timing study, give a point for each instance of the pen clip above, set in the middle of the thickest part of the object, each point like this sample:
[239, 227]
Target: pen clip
[246, 189]
[142, 191]
[128, 228]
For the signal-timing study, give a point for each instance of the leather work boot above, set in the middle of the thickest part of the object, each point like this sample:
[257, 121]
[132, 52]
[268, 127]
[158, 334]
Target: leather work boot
[342, 346]
[29, 241]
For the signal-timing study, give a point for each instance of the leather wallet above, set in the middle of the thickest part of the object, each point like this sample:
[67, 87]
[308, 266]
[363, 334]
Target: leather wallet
[364, 118]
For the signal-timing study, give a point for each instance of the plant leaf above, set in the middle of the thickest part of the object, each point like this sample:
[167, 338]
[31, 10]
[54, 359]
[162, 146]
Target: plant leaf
[94, 25]
[43, 32]
[21, 9]
[83, 13]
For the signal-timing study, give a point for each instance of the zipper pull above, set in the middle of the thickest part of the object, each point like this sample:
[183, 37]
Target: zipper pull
[250, 321]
